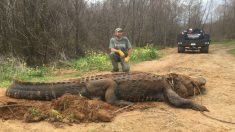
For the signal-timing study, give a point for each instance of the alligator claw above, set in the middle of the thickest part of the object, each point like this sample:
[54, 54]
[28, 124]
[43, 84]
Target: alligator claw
[201, 108]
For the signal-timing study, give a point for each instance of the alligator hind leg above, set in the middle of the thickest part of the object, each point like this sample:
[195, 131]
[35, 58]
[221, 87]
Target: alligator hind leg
[106, 88]
[174, 99]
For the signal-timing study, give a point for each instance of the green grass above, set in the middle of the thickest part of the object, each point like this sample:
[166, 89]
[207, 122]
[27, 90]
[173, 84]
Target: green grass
[232, 51]
[144, 54]
[101, 61]
[229, 43]
[13, 69]
[226, 42]
[93, 61]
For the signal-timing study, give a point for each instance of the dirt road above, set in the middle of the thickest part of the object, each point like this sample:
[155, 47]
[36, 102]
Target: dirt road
[218, 67]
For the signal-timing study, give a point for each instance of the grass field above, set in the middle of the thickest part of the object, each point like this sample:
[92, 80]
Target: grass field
[232, 51]
[14, 69]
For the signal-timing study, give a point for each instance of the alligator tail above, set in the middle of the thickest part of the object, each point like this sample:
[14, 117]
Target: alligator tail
[42, 91]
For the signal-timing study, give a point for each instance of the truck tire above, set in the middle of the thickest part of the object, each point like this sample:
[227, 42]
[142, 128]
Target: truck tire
[205, 49]
[181, 49]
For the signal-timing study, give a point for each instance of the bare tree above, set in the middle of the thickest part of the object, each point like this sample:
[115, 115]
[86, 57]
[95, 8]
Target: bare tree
[42, 31]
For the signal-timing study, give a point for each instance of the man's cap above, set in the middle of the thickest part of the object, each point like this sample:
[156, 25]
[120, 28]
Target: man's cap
[118, 30]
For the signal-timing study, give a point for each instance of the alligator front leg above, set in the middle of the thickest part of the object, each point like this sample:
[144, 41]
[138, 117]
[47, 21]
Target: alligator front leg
[111, 97]
[106, 88]
[174, 99]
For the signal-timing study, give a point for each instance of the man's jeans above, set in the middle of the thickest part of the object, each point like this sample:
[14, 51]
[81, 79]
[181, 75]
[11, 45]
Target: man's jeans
[115, 59]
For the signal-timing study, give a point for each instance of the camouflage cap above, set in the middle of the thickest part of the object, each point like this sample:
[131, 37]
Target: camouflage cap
[118, 30]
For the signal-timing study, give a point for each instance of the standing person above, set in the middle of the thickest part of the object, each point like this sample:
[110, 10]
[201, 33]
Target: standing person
[121, 50]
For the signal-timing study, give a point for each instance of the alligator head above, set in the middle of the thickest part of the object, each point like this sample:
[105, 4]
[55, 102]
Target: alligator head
[186, 86]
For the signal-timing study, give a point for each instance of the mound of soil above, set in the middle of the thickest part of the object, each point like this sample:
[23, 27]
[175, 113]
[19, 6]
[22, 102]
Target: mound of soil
[68, 109]
[79, 109]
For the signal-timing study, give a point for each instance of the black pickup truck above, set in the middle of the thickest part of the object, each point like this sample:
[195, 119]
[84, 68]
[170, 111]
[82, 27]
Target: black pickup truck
[193, 39]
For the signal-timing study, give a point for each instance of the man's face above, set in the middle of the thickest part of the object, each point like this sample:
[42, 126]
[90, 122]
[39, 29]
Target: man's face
[118, 34]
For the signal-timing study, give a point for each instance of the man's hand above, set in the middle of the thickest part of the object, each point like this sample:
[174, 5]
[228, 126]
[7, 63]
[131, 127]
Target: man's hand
[126, 59]
[121, 53]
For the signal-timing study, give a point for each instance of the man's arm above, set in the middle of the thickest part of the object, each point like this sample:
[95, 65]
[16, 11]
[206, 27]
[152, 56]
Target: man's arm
[129, 47]
[114, 50]
[129, 52]
[111, 46]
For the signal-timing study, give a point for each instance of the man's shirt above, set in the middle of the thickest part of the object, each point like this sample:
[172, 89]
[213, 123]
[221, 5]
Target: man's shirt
[122, 44]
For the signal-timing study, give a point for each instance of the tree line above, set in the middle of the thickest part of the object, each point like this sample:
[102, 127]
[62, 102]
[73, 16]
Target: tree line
[43, 31]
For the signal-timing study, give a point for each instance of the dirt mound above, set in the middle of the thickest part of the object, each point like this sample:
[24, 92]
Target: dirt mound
[68, 109]
[12, 110]
[79, 109]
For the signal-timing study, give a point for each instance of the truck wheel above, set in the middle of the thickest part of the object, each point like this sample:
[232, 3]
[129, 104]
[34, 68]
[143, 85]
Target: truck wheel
[181, 49]
[205, 49]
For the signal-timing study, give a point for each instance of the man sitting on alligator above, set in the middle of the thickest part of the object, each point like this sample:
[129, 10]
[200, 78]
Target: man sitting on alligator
[118, 89]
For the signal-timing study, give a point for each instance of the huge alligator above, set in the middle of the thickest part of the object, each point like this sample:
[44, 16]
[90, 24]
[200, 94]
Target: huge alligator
[118, 89]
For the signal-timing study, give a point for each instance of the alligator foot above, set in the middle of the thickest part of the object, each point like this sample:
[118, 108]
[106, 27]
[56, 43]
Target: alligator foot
[199, 107]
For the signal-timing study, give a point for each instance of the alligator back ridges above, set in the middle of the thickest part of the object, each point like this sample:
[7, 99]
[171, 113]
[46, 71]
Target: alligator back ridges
[52, 90]
[115, 76]
[19, 82]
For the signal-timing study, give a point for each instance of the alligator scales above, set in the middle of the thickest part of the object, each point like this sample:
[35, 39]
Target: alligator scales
[118, 89]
